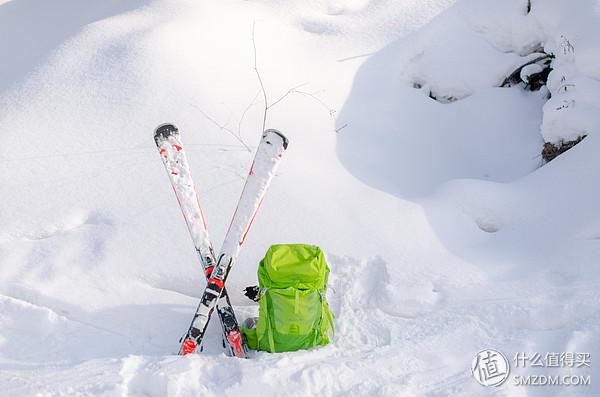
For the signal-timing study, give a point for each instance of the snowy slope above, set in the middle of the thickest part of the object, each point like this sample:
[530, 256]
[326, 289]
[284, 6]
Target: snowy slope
[443, 234]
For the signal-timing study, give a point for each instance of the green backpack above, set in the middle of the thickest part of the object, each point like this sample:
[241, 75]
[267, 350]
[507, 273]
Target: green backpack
[293, 311]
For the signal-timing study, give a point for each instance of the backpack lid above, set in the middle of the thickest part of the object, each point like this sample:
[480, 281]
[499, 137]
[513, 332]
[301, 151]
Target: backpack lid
[299, 266]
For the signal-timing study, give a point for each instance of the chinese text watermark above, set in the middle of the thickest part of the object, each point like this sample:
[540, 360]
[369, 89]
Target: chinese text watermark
[491, 368]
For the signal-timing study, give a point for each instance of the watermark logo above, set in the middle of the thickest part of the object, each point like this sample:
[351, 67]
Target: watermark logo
[490, 367]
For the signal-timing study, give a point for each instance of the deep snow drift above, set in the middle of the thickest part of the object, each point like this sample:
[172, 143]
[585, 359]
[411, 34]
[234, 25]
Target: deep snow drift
[445, 235]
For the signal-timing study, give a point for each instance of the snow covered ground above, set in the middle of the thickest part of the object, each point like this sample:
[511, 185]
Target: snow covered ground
[444, 232]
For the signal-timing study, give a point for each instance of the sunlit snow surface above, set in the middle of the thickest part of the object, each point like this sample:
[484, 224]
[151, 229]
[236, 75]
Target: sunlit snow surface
[444, 235]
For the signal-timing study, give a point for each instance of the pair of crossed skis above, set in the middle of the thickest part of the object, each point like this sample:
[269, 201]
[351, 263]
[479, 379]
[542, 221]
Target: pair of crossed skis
[268, 155]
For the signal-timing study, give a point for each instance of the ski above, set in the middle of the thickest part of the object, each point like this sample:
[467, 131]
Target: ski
[268, 155]
[171, 150]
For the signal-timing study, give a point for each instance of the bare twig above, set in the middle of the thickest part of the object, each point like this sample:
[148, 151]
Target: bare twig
[290, 91]
[316, 98]
[293, 90]
[262, 86]
[566, 45]
[222, 127]
[246, 111]
[341, 128]
[357, 56]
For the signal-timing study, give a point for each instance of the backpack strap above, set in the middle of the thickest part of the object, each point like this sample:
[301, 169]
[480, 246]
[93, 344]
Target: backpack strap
[269, 327]
[327, 324]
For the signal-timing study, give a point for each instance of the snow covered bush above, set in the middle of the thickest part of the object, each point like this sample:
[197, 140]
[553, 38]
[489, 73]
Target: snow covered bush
[549, 45]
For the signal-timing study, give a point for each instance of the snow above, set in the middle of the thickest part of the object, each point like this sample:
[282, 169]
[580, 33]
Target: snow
[444, 233]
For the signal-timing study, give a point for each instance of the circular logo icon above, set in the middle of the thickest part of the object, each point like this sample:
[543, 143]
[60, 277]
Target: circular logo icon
[490, 367]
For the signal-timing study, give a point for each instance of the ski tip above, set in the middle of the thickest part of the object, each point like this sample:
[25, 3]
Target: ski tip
[271, 131]
[164, 131]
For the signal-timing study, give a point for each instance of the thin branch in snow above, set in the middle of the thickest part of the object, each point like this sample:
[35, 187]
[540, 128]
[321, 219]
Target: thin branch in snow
[262, 86]
[290, 91]
[319, 100]
[341, 128]
[356, 56]
[566, 45]
[252, 103]
[222, 127]
[293, 90]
